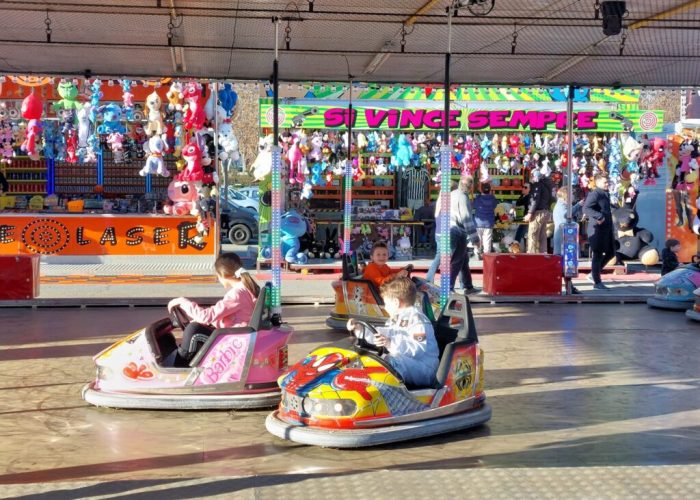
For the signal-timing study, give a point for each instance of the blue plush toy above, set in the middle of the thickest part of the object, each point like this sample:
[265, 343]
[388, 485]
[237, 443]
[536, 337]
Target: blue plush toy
[316, 173]
[293, 226]
[403, 151]
[485, 147]
[228, 98]
[111, 119]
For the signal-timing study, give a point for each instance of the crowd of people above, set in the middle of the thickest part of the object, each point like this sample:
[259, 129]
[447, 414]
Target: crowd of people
[472, 221]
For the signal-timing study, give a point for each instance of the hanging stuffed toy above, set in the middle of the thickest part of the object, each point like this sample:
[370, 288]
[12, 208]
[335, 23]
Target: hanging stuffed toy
[72, 146]
[154, 163]
[194, 111]
[228, 142]
[69, 97]
[228, 99]
[175, 97]
[116, 144]
[294, 157]
[128, 100]
[155, 118]
[653, 161]
[262, 166]
[111, 119]
[192, 154]
[403, 151]
[32, 108]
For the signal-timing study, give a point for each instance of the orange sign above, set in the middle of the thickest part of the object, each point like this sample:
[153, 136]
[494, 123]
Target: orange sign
[101, 235]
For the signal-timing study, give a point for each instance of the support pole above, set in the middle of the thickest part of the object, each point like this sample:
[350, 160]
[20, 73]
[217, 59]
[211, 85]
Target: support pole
[445, 178]
[570, 245]
[347, 182]
[276, 215]
[221, 175]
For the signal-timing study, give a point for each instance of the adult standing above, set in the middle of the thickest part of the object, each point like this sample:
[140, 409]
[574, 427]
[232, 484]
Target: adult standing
[600, 229]
[484, 217]
[539, 214]
[559, 217]
[523, 201]
[462, 227]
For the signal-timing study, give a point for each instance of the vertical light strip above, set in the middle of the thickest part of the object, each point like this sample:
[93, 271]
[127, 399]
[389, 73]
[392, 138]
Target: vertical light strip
[275, 241]
[444, 223]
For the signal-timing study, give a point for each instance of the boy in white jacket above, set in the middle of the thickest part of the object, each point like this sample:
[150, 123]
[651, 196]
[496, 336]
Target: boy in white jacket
[408, 335]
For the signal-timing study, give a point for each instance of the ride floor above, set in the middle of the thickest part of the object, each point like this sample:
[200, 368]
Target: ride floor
[588, 401]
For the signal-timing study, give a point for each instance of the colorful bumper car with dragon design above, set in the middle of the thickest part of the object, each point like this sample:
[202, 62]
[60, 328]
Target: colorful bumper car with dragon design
[347, 396]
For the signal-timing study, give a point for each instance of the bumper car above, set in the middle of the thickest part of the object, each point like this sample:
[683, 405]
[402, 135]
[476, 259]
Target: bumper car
[346, 396]
[675, 290]
[359, 298]
[694, 312]
[236, 368]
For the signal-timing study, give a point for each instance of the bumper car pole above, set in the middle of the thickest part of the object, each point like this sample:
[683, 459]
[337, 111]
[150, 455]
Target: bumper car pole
[347, 178]
[445, 177]
[276, 215]
[570, 254]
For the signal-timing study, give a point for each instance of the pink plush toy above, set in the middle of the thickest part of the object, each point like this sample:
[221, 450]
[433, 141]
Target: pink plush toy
[192, 154]
[655, 160]
[116, 143]
[194, 113]
[514, 146]
[32, 108]
[183, 197]
[294, 156]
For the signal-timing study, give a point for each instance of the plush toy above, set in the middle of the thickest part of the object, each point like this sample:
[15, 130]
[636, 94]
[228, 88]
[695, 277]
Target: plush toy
[504, 212]
[262, 166]
[175, 97]
[331, 247]
[69, 97]
[72, 146]
[155, 117]
[684, 167]
[84, 125]
[292, 227]
[192, 154]
[157, 146]
[111, 119]
[183, 198]
[228, 142]
[294, 156]
[403, 152]
[653, 161]
[228, 99]
[127, 100]
[116, 144]
[632, 241]
[194, 111]
[696, 220]
[32, 108]
[513, 146]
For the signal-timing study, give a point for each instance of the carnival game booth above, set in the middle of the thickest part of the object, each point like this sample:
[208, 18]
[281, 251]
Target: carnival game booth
[499, 135]
[108, 170]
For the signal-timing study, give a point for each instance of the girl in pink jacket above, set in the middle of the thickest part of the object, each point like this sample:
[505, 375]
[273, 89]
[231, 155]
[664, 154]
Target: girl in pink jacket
[234, 309]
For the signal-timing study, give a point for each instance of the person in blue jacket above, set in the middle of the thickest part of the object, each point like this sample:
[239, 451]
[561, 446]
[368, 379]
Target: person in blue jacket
[484, 217]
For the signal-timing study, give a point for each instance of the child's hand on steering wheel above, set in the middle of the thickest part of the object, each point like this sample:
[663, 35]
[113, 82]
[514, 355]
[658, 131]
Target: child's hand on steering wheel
[176, 302]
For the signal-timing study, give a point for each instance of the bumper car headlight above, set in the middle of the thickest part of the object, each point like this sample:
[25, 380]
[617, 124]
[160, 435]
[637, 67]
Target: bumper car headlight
[329, 407]
[661, 290]
[680, 293]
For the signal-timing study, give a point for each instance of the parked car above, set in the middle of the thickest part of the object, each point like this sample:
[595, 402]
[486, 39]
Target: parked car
[237, 197]
[239, 224]
[250, 191]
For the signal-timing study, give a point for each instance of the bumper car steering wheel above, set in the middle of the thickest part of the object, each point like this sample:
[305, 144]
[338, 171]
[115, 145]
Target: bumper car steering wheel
[360, 331]
[178, 318]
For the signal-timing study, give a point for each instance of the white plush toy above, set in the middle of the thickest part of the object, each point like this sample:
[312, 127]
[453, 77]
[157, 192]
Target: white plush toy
[155, 118]
[155, 147]
[229, 142]
[84, 125]
[262, 166]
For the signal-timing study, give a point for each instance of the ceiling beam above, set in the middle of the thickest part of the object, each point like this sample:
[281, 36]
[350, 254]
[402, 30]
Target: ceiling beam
[587, 52]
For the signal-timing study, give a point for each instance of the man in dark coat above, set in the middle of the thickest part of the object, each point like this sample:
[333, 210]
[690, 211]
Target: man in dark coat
[539, 213]
[600, 229]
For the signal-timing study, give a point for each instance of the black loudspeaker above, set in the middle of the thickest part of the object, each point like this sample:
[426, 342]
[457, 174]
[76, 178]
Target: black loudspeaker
[612, 13]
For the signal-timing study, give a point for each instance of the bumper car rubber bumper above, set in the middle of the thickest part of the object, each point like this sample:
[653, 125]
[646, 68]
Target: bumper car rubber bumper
[693, 314]
[673, 305]
[358, 438]
[179, 402]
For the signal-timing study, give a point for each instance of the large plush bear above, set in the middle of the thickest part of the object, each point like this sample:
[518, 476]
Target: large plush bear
[633, 242]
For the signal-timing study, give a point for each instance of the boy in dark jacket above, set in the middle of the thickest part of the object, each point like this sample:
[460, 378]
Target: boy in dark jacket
[669, 256]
